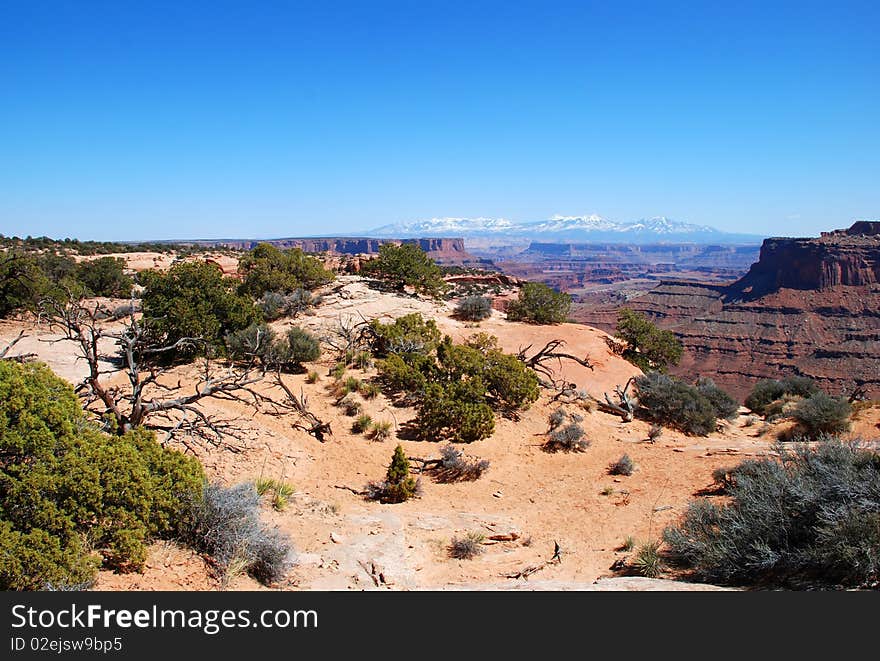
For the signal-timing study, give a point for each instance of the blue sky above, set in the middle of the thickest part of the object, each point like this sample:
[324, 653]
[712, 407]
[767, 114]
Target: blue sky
[137, 120]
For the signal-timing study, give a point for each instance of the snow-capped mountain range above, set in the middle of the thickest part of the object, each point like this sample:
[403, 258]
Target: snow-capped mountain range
[591, 228]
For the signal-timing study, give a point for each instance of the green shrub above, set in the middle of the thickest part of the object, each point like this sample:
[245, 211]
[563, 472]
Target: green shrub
[672, 402]
[647, 347]
[379, 430]
[648, 561]
[447, 414]
[407, 265]
[275, 305]
[400, 377]
[725, 406]
[194, 300]
[398, 485]
[821, 414]
[361, 424]
[257, 341]
[369, 390]
[407, 334]
[509, 382]
[770, 391]
[297, 347]
[539, 304]
[474, 308]
[351, 384]
[269, 269]
[459, 389]
[811, 517]
[67, 489]
[363, 360]
[104, 276]
[22, 282]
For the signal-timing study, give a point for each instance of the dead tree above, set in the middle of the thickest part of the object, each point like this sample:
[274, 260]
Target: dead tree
[859, 393]
[311, 424]
[547, 354]
[139, 355]
[18, 358]
[347, 336]
[625, 406]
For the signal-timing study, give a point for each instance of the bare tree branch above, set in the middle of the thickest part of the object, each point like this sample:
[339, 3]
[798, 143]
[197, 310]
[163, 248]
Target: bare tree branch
[139, 353]
[549, 353]
[18, 358]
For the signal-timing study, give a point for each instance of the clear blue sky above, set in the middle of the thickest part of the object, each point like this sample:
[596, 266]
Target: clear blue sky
[136, 120]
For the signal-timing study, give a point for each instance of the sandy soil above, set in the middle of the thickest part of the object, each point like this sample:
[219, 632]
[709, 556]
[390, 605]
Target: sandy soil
[344, 542]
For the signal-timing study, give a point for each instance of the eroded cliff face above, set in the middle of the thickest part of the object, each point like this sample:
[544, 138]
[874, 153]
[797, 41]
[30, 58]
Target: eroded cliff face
[847, 258]
[809, 307]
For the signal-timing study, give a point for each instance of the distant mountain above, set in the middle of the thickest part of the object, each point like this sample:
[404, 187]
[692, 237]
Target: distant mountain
[585, 229]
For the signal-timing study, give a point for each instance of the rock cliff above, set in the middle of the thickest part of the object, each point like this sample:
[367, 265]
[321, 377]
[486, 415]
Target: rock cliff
[807, 306]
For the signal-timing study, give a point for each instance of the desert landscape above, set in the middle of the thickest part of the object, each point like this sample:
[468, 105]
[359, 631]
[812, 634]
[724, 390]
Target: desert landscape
[528, 505]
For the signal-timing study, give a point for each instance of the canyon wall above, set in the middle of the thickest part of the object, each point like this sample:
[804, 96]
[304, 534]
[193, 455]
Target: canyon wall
[807, 307]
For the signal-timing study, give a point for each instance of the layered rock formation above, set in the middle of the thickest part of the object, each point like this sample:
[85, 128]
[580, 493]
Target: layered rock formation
[808, 306]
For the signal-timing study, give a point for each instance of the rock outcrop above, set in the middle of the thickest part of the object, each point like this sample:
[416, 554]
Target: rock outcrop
[808, 307]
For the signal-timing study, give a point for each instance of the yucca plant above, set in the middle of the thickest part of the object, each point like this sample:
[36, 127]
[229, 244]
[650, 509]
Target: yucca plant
[648, 561]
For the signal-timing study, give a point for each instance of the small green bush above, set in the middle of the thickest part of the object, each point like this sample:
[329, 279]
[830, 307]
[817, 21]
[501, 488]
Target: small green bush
[379, 430]
[539, 304]
[398, 485]
[363, 360]
[447, 414]
[297, 347]
[369, 390]
[474, 308]
[361, 424]
[648, 561]
[820, 414]
[672, 402]
[770, 391]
